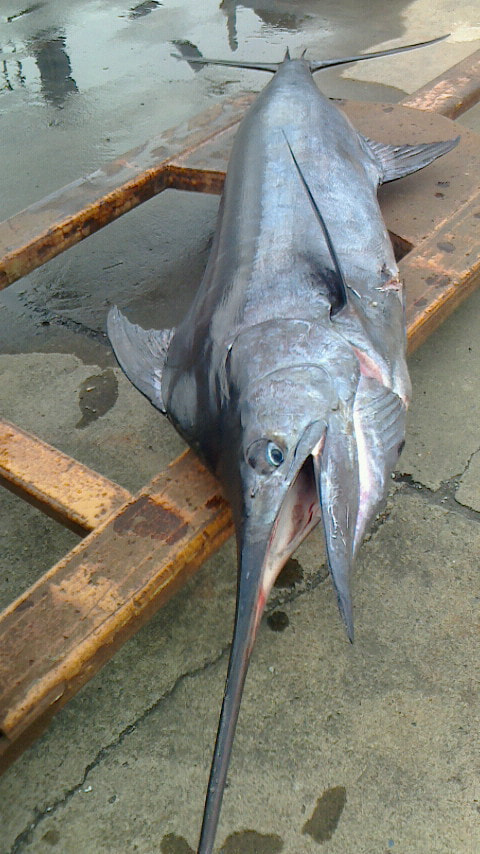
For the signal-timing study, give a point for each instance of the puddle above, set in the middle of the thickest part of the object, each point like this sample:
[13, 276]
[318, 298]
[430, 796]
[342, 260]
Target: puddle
[291, 574]
[278, 621]
[54, 66]
[173, 844]
[251, 842]
[97, 395]
[51, 837]
[242, 842]
[143, 9]
[187, 50]
[326, 815]
[276, 15]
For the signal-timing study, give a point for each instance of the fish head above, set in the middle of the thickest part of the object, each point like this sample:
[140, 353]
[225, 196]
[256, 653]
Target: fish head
[306, 448]
[293, 458]
[284, 426]
[310, 447]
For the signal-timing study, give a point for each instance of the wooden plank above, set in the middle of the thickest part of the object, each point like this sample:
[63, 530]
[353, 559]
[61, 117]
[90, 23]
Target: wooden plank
[71, 493]
[451, 93]
[57, 635]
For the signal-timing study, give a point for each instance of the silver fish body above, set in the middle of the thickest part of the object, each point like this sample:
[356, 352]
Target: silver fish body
[288, 373]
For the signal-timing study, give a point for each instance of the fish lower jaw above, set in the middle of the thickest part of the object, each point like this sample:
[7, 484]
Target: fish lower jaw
[299, 514]
[275, 562]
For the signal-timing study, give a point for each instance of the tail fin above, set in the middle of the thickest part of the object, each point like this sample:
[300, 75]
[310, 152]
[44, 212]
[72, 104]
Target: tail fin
[272, 67]
[232, 63]
[328, 63]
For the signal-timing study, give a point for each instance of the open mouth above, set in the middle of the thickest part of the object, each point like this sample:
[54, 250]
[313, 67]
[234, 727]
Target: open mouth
[298, 515]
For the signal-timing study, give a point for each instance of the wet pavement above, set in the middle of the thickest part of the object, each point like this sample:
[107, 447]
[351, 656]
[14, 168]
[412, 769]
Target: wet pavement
[370, 749]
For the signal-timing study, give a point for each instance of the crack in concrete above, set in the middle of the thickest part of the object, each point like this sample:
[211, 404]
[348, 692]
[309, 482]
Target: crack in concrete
[466, 467]
[25, 836]
[458, 479]
[445, 495]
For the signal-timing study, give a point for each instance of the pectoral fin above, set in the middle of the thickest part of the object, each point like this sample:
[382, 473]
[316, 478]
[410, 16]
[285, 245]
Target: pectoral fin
[140, 353]
[396, 161]
[379, 417]
[336, 470]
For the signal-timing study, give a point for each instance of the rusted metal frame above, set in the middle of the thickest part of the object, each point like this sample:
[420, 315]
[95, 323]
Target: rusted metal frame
[452, 93]
[117, 613]
[442, 271]
[62, 630]
[140, 174]
[105, 208]
[81, 611]
[57, 484]
[64, 218]
[407, 221]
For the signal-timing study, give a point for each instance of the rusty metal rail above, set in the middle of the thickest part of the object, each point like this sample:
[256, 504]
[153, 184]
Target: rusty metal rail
[67, 216]
[142, 548]
[73, 494]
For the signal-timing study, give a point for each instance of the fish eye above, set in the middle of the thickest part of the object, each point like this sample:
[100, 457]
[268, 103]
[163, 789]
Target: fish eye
[263, 455]
[274, 454]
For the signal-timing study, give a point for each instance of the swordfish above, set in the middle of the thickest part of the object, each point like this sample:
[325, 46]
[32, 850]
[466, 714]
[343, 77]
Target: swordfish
[288, 375]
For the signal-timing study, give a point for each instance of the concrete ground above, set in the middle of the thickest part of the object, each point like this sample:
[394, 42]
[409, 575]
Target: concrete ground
[343, 750]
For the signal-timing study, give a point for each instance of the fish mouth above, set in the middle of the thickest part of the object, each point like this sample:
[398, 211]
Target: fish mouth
[298, 515]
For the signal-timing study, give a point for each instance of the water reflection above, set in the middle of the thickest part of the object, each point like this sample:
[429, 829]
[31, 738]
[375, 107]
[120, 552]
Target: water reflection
[11, 79]
[275, 14]
[143, 9]
[33, 8]
[188, 50]
[337, 19]
[53, 63]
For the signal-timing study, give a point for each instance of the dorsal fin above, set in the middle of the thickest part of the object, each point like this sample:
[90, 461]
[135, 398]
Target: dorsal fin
[338, 285]
[140, 353]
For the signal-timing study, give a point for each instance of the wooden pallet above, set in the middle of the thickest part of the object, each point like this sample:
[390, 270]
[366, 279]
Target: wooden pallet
[139, 549]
